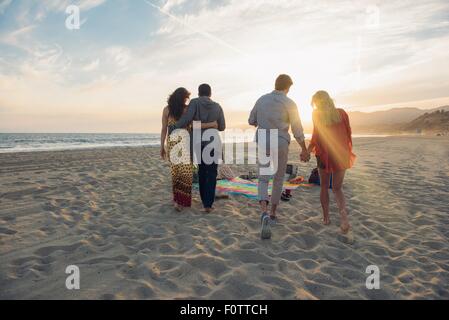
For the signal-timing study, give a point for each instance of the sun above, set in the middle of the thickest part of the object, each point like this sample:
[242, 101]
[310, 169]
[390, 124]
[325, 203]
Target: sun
[305, 111]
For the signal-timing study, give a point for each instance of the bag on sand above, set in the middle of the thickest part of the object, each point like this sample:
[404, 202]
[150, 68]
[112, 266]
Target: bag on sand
[225, 172]
[315, 178]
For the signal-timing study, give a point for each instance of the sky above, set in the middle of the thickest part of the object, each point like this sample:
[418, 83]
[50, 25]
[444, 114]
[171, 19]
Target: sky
[115, 72]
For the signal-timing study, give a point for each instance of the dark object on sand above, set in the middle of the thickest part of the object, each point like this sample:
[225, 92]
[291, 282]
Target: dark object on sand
[315, 178]
[249, 176]
[286, 195]
[292, 171]
[221, 196]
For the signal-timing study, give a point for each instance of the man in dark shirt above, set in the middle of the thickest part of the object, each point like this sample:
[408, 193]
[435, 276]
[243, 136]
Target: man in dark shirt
[204, 109]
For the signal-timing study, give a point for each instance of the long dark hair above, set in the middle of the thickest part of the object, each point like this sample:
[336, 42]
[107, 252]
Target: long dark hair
[177, 102]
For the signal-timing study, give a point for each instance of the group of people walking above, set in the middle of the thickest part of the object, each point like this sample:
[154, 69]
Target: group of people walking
[331, 143]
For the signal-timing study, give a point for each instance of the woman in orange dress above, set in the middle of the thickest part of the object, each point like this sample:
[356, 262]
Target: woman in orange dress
[332, 145]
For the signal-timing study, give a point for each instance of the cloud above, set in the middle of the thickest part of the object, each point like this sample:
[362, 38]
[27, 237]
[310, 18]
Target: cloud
[61, 5]
[187, 25]
[38, 13]
[120, 56]
[15, 37]
[4, 4]
[171, 4]
[238, 46]
[91, 66]
[316, 38]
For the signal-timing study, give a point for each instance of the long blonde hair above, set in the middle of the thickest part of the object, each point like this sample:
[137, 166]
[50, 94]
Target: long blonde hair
[323, 104]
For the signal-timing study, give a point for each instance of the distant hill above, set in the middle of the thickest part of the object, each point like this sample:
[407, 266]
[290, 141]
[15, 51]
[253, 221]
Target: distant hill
[393, 121]
[434, 122]
[389, 121]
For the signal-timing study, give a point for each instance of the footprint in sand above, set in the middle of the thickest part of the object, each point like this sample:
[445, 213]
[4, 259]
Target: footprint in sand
[7, 231]
[46, 251]
[347, 238]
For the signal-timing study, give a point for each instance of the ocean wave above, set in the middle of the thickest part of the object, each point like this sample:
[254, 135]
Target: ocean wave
[50, 142]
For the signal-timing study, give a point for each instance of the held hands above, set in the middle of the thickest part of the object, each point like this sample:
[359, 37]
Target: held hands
[305, 156]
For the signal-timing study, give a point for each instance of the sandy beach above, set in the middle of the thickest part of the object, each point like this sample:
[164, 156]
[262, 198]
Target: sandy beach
[109, 212]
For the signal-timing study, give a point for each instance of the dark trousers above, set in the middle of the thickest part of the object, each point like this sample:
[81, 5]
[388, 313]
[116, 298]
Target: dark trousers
[207, 176]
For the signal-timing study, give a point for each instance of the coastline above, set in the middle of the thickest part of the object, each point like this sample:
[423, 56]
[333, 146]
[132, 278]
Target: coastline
[156, 145]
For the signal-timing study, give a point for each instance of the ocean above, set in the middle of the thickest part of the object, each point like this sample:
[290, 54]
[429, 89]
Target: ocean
[28, 142]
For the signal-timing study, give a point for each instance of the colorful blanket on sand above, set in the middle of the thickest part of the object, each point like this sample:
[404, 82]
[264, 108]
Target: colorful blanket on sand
[238, 186]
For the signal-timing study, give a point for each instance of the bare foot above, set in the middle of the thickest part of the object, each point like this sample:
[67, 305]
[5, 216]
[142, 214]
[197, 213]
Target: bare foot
[178, 207]
[208, 210]
[344, 222]
[345, 227]
[347, 238]
[326, 220]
